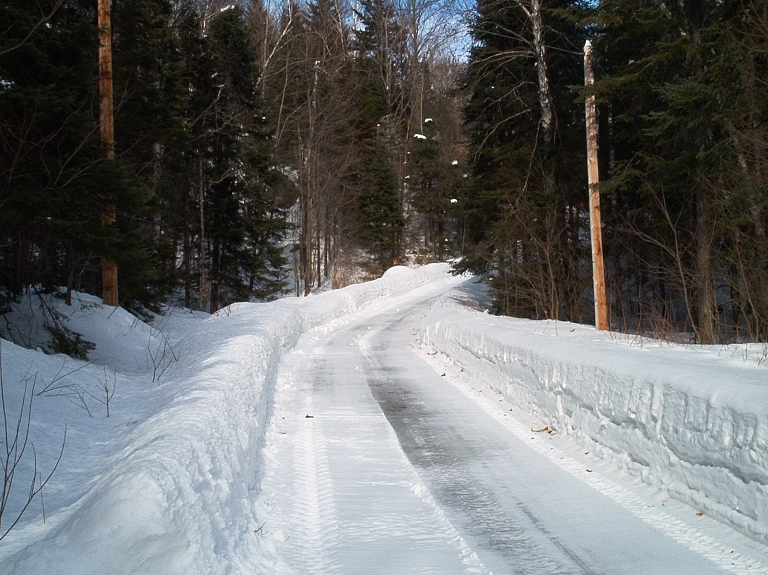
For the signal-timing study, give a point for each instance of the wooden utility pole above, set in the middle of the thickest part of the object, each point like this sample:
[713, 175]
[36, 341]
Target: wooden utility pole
[108, 267]
[598, 273]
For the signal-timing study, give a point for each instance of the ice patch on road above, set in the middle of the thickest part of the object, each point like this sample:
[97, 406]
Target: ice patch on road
[469, 557]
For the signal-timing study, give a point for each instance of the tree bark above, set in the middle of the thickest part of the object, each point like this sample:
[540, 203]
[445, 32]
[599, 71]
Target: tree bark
[109, 268]
[215, 276]
[201, 255]
[545, 94]
[596, 234]
[187, 255]
[704, 280]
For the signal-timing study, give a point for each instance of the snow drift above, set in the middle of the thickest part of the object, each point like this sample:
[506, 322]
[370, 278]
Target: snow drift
[170, 483]
[177, 493]
[692, 421]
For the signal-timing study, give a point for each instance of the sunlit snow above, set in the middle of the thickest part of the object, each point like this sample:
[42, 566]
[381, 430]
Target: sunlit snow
[315, 435]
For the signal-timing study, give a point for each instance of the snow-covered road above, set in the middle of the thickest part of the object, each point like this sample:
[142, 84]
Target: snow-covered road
[387, 427]
[377, 463]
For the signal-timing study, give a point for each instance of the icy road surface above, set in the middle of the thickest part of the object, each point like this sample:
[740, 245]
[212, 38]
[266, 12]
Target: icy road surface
[377, 464]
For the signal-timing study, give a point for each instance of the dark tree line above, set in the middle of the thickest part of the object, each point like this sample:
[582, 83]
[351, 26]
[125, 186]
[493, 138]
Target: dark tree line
[348, 90]
[258, 139]
[249, 136]
[193, 185]
[681, 94]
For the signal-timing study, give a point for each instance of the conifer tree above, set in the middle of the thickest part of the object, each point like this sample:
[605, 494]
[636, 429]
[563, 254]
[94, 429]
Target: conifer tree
[382, 219]
[241, 222]
[52, 179]
[527, 153]
[674, 87]
[379, 64]
[151, 96]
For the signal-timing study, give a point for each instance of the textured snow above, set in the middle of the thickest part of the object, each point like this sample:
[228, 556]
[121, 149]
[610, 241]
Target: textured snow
[175, 494]
[170, 482]
[689, 420]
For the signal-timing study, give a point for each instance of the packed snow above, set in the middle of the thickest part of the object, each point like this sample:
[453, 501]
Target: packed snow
[189, 472]
[690, 419]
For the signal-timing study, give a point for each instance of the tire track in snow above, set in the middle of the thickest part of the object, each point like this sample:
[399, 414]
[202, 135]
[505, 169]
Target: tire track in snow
[708, 547]
[469, 557]
[338, 498]
[314, 518]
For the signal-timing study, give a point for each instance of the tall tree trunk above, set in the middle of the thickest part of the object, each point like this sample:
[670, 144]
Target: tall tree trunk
[306, 250]
[596, 233]
[187, 254]
[336, 241]
[540, 49]
[70, 270]
[318, 248]
[109, 268]
[704, 273]
[327, 242]
[201, 256]
[215, 275]
[758, 194]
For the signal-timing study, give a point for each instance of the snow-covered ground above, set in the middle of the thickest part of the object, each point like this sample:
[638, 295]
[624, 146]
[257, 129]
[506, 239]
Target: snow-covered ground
[692, 420]
[185, 474]
[167, 483]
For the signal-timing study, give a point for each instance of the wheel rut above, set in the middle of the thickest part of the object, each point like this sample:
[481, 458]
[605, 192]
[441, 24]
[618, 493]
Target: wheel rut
[314, 514]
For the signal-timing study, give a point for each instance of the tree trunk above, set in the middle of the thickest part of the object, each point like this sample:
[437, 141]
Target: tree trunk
[545, 94]
[757, 181]
[318, 248]
[70, 271]
[109, 268]
[201, 256]
[306, 250]
[596, 234]
[187, 254]
[704, 280]
[215, 275]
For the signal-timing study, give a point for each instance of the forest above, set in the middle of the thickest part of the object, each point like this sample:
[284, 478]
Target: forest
[268, 147]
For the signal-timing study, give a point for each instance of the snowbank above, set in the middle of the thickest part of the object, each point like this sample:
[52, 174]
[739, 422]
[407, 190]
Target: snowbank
[177, 492]
[693, 421]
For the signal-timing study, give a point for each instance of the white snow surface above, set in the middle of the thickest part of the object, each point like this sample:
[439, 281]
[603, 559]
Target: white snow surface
[165, 484]
[692, 420]
[170, 482]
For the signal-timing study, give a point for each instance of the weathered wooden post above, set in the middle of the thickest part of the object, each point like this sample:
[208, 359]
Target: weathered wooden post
[108, 267]
[598, 273]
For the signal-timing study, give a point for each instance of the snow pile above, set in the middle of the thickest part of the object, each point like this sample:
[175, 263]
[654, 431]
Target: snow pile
[692, 421]
[169, 483]
[125, 343]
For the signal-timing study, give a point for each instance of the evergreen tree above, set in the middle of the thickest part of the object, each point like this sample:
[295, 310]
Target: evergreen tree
[675, 86]
[379, 67]
[382, 218]
[52, 178]
[526, 145]
[379, 41]
[242, 224]
[149, 81]
[427, 171]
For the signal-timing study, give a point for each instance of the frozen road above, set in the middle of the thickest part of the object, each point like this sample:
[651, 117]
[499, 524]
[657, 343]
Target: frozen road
[376, 463]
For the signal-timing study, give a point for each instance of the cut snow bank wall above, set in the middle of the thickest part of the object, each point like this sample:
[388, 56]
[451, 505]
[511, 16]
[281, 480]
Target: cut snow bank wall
[690, 421]
[177, 495]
